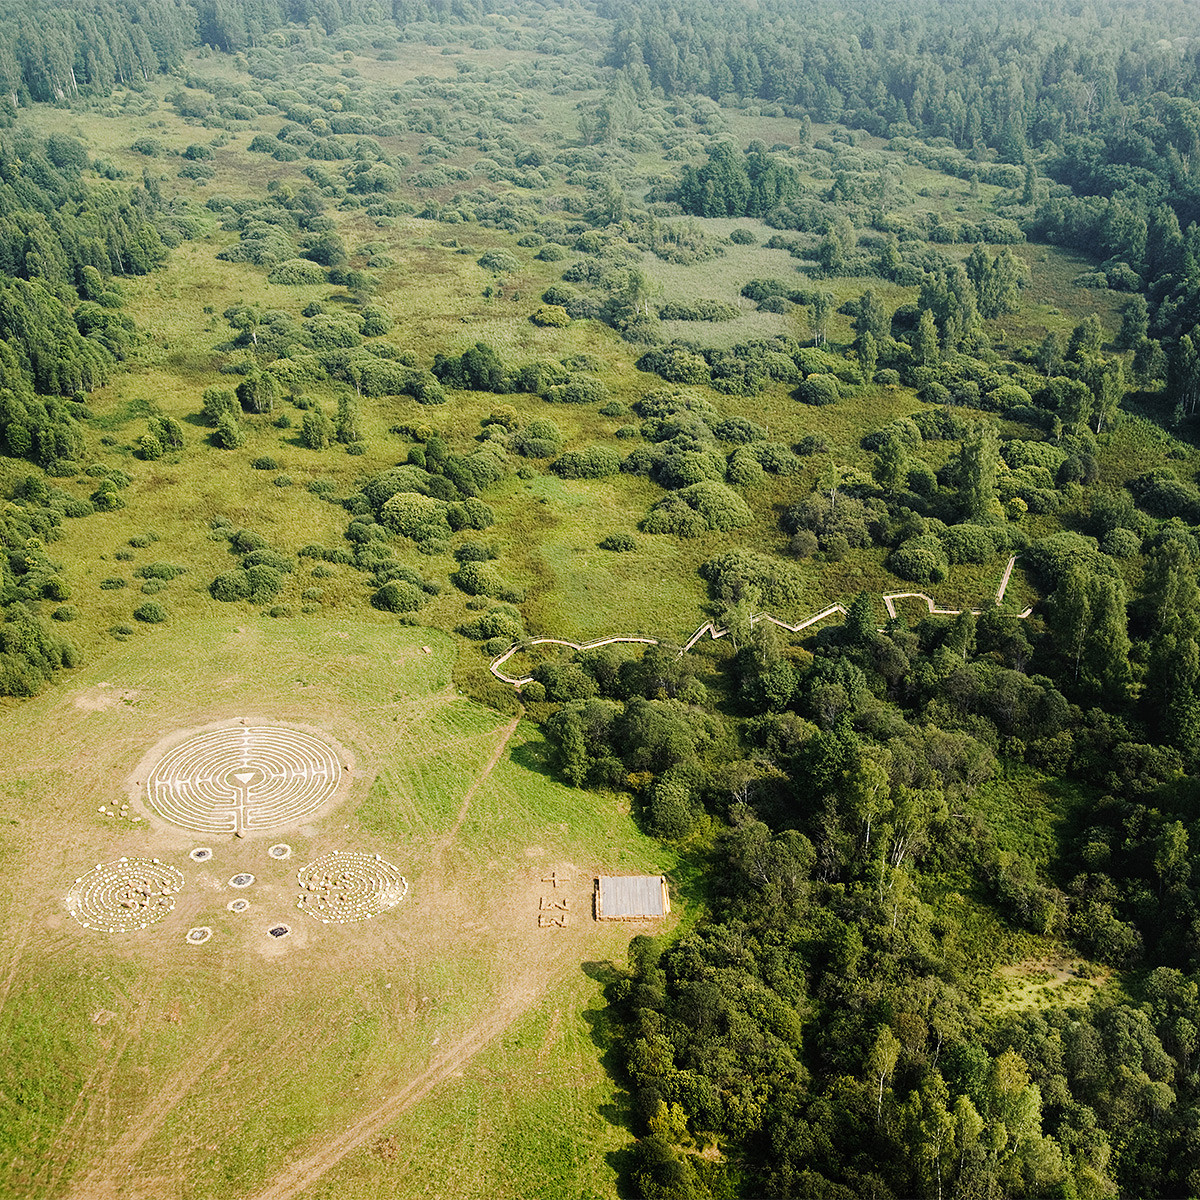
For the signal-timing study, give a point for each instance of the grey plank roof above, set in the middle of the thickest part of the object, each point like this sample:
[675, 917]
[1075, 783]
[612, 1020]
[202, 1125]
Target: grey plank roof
[631, 896]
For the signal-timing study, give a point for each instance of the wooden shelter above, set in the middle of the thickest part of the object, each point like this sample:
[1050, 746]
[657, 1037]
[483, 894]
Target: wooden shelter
[631, 897]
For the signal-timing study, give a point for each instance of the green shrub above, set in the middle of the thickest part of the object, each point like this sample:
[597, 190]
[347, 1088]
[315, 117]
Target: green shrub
[552, 316]
[265, 583]
[231, 585]
[539, 439]
[697, 509]
[500, 262]
[740, 575]
[398, 596]
[269, 558]
[580, 390]
[471, 513]
[113, 585]
[159, 570]
[228, 434]
[151, 587]
[264, 462]
[621, 543]
[482, 579]
[1121, 543]
[596, 462]
[500, 621]
[973, 543]
[65, 612]
[818, 390]
[297, 272]
[415, 516]
[744, 469]
[151, 612]
[246, 540]
[920, 559]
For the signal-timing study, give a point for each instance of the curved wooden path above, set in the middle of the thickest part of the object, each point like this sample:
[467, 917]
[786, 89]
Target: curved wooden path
[711, 630]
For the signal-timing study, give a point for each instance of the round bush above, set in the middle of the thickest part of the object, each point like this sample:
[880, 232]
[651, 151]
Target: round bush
[246, 540]
[65, 612]
[920, 559]
[972, 543]
[818, 390]
[596, 462]
[803, 544]
[622, 543]
[294, 272]
[533, 692]
[152, 613]
[1121, 543]
[284, 481]
[112, 585]
[744, 469]
[398, 596]
[742, 237]
[152, 587]
[264, 462]
[553, 316]
[279, 610]
[232, 585]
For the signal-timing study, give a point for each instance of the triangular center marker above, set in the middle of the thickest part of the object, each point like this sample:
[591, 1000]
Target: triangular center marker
[244, 776]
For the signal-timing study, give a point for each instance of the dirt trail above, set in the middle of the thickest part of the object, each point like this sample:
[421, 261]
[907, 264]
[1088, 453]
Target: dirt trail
[110, 1176]
[445, 842]
[14, 961]
[517, 998]
[96, 1088]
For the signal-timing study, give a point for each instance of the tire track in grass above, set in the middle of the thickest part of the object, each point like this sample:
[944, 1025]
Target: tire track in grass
[293, 1180]
[447, 840]
[110, 1176]
[97, 1087]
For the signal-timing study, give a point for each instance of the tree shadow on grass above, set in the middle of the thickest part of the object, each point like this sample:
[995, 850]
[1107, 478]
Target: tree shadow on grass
[535, 755]
[603, 1028]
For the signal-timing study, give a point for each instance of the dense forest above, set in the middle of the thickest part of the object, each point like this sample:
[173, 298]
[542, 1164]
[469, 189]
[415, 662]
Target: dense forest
[878, 816]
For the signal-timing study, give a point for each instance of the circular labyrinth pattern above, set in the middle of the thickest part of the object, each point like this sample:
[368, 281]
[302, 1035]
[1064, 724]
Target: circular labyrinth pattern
[238, 906]
[199, 935]
[342, 887]
[200, 854]
[243, 779]
[245, 879]
[130, 893]
[280, 850]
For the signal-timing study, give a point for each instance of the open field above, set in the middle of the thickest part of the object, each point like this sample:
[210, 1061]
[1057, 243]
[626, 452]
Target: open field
[136, 1058]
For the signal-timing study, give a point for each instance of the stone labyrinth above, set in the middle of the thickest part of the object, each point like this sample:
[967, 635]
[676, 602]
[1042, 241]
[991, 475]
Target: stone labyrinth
[349, 886]
[243, 779]
[128, 894]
